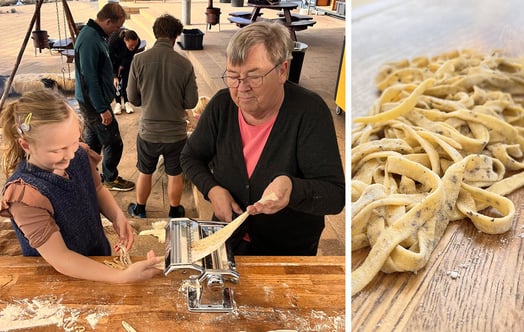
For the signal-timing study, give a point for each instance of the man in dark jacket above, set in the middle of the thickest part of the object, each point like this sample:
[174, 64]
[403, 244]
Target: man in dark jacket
[95, 91]
[265, 135]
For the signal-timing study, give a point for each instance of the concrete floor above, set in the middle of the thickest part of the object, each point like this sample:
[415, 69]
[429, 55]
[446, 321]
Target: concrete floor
[319, 73]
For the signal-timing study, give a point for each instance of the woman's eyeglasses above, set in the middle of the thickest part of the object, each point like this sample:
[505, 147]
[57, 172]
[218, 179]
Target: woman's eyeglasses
[252, 81]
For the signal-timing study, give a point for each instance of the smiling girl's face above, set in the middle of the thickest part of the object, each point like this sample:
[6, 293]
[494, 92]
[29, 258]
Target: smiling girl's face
[54, 145]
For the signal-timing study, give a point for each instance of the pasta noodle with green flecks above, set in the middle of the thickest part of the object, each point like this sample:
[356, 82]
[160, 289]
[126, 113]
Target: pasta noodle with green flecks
[443, 142]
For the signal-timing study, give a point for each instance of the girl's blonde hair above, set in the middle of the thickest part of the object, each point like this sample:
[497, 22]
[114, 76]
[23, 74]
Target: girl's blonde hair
[20, 118]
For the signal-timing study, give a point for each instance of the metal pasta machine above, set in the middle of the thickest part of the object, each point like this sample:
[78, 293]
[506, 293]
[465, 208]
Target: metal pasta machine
[206, 286]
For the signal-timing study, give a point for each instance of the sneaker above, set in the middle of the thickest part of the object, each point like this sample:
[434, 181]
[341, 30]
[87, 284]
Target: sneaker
[131, 211]
[129, 108]
[117, 109]
[177, 212]
[119, 184]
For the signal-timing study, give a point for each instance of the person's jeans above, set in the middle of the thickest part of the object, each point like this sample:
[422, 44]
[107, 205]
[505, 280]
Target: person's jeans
[123, 84]
[105, 140]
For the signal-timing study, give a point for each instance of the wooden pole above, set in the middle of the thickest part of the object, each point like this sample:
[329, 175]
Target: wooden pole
[7, 87]
[36, 18]
[70, 22]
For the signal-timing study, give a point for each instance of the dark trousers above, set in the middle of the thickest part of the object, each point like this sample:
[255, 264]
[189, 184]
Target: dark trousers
[105, 140]
[124, 78]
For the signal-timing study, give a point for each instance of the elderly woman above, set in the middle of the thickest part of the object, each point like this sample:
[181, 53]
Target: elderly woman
[264, 135]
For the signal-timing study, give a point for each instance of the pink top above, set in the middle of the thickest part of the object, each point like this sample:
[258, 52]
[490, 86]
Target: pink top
[253, 140]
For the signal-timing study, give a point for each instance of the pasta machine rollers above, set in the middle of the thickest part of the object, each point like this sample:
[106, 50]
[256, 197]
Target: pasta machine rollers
[206, 287]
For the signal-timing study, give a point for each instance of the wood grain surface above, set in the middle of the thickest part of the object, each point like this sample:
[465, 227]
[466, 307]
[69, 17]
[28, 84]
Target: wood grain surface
[470, 277]
[293, 293]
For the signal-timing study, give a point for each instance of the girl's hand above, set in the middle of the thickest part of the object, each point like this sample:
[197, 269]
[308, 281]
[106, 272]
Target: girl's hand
[143, 270]
[126, 236]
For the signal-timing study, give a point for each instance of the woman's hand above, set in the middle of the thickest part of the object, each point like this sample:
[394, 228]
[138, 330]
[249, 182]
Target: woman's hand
[281, 188]
[223, 203]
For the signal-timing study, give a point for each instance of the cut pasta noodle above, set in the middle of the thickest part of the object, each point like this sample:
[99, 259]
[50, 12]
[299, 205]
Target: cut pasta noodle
[443, 142]
[122, 261]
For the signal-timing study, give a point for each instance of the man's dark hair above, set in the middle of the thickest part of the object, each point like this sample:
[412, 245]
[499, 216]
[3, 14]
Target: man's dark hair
[167, 26]
[112, 11]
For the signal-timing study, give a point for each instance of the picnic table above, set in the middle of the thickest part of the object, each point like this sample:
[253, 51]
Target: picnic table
[294, 22]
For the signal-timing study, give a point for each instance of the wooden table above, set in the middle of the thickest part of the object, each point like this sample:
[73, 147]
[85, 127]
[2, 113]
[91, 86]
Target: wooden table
[297, 293]
[294, 24]
[473, 281]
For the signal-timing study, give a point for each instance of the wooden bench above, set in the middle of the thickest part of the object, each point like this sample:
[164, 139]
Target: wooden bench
[297, 17]
[69, 54]
[299, 26]
[239, 21]
[62, 44]
[243, 14]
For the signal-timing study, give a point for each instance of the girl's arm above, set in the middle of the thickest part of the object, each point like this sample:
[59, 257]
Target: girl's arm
[110, 209]
[72, 264]
[45, 236]
[107, 203]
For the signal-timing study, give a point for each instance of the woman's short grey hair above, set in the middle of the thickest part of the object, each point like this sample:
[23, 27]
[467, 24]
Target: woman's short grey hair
[274, 35]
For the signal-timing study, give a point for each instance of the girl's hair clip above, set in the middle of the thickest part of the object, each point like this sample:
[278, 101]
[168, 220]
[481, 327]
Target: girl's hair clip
[24, 127]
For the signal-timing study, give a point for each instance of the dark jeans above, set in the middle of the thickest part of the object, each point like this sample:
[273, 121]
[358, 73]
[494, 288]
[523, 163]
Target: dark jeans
[124, 78]
[105, 140]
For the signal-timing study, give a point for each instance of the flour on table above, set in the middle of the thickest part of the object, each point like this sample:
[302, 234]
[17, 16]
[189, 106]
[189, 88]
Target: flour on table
[44, 311]
[94, 317]
[316, 320]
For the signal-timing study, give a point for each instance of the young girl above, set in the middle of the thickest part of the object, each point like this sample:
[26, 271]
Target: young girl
[54, 195]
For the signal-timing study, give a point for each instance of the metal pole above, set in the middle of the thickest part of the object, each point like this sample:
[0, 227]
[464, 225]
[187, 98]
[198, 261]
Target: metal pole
[186, 12]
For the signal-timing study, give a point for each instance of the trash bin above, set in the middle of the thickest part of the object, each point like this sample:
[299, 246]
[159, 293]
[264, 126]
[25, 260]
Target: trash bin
[191, 39]
[299, 51]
